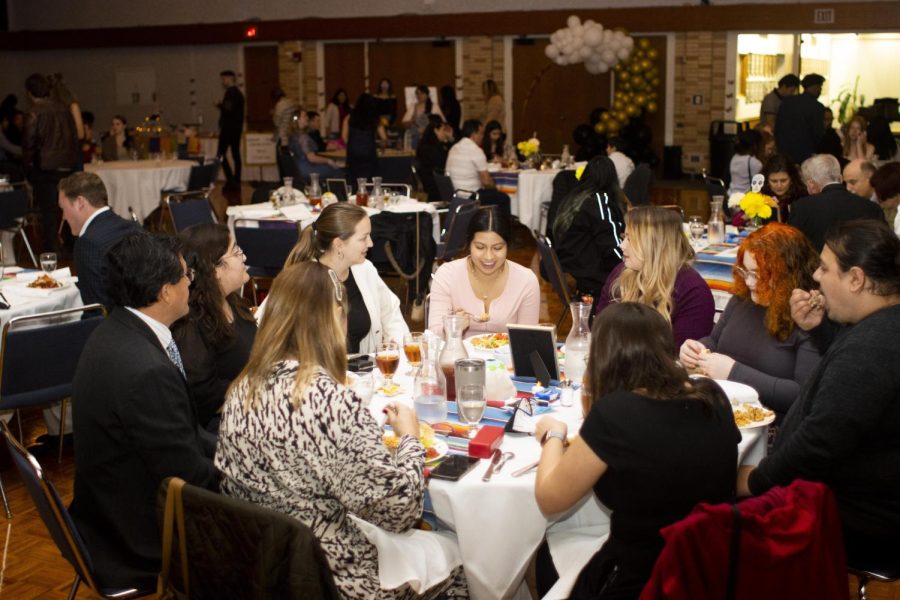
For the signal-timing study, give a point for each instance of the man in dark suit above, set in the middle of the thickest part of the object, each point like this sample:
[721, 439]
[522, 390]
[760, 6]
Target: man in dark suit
[133, 417]
[801, 121]
[829, 201]
[83, 201]
[231, 126]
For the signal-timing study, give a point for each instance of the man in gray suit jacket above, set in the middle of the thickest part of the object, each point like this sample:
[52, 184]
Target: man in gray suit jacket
[134, 421]
[83, 201]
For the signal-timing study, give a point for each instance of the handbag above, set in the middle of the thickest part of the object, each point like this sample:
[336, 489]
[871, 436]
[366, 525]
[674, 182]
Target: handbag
[173, 517]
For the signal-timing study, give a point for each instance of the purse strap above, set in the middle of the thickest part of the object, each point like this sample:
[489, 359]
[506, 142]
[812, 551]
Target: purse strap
[173, 517]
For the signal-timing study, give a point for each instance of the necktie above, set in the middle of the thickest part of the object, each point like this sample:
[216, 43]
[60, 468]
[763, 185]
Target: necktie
[172, 351]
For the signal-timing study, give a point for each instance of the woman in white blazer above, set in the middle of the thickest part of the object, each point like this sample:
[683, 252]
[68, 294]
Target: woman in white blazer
[340, 239]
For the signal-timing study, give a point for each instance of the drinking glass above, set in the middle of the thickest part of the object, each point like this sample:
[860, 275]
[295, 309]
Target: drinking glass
[362, 196]
[470, 406]
[363, 385]
[696, 227]
[387, 357]
[48, 261]
[412, 347]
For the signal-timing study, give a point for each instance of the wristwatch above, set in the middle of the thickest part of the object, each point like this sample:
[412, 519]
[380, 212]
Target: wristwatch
[554, 434]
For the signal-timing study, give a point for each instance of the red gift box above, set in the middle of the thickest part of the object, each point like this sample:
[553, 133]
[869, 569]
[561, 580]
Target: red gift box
[486, 441]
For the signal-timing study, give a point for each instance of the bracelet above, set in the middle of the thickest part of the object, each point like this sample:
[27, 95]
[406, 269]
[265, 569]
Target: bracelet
[554, 434]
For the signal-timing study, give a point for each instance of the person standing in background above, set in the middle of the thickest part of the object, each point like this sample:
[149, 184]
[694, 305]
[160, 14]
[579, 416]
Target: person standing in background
[231, 126]
[283, 117]
[494, 107]
[768, 111]
[801, 121]
[451, 108]
[49, 151]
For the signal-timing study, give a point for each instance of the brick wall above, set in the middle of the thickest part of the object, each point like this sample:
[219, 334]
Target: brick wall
[298, 79]
[699, 95]
[482, 59]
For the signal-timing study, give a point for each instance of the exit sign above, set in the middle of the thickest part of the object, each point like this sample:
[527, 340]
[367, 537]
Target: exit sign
[823, 16]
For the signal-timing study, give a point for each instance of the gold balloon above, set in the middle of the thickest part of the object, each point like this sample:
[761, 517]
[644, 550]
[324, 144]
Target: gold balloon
[636, 81]
[639, 55]
[652, 53]
[643, 43]
[606, 116]
[631, 110]
[653, 72]
[618, 103]
[640, 99]
[621, 115]
[652, 107]
[655, 82]
[645, 65]
[634, 67]
[600, 127]
[624, 85]
[613, 126]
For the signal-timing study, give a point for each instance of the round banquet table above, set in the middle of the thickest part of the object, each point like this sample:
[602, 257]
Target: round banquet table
[498, 523]
[138, 183]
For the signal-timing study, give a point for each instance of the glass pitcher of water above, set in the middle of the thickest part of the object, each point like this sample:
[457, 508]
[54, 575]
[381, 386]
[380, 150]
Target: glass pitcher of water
[454, 326]
[429, 392]
[716, 225]
[578, 343]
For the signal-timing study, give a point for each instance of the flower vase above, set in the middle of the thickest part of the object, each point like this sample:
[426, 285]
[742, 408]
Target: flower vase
[753, 224]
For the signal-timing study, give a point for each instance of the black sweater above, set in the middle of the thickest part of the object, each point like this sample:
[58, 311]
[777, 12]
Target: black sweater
[844, 429]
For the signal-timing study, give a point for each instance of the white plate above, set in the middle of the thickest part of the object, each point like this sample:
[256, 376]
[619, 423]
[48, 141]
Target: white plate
[442, 449]
[738, 392]
[762, 423]
[503, 348]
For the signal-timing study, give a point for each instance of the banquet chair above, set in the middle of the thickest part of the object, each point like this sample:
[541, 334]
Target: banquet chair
[13, 208]
[59, 523]
[447, 191]
[453, 237]
[219, 546]
[265, 249]
[554, 274]
[203, 177]
[714, 185]
[38, 358]
[189, 208]
[873, 564]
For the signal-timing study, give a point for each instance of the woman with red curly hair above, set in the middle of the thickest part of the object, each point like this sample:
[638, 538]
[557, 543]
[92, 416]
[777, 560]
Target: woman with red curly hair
[755, 341]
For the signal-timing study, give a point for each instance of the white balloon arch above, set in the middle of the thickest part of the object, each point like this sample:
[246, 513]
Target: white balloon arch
[598, 48]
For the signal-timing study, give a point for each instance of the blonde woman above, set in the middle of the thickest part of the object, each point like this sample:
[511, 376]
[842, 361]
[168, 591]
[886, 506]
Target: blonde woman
[656, 271]
[293, 438]
[340, 239]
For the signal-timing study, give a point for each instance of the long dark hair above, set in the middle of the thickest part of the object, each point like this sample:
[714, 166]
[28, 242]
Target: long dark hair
[365, 114]
[429, 136]
[632, 350]
[599, 177]
[336, 99]
[489, 218]
[488, 145]
[778, 163]
[428, 104]
[203, 247]
[879, 135]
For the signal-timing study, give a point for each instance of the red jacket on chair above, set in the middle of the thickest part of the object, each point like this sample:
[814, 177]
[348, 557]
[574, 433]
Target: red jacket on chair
[791, 546]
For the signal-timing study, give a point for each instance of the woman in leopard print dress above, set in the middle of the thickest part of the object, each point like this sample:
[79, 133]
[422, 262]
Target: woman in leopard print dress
[295, 439]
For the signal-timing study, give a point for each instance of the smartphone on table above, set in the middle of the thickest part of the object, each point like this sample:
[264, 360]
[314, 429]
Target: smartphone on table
[454, 467]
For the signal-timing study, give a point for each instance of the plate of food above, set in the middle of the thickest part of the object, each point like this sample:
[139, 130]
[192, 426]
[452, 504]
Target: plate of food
[45, 282]
[435, 449]
[748, 415]
[491, 341]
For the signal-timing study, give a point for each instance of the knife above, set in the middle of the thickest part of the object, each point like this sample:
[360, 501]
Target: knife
[494, 460]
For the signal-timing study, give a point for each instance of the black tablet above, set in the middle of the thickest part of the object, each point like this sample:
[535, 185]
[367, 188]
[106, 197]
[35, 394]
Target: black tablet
[338, 187]
[534, 346]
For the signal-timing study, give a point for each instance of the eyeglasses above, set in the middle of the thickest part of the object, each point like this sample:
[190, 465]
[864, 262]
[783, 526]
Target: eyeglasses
[237, 253]
[746, 274]
[190, 274]
[338, 288]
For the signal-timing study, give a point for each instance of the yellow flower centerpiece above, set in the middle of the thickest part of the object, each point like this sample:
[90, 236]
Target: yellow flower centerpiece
[757, 206]
[529, 148]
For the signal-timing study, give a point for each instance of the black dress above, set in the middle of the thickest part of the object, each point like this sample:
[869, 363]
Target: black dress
[210, 368]
[362, 155]
[358, 321]
[663, 457]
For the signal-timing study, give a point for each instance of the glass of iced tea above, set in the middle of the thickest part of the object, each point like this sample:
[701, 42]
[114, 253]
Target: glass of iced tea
[387, 357]
[412, 347]
[362, 195]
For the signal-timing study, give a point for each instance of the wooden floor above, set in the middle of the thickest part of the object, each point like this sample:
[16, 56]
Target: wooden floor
[31, 566]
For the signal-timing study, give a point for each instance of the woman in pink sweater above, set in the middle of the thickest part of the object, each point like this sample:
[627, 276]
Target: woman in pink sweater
[490, 289]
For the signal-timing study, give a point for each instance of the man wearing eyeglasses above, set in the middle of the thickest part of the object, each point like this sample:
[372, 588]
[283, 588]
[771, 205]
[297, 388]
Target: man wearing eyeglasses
[134, 421]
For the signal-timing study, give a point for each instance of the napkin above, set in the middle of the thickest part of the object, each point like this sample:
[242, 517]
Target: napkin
[296, 212]
[420, 558]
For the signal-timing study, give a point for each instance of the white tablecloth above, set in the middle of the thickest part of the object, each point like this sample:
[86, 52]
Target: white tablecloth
[138, 183]
[264, 211]
[499, 525]
[26, 301]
